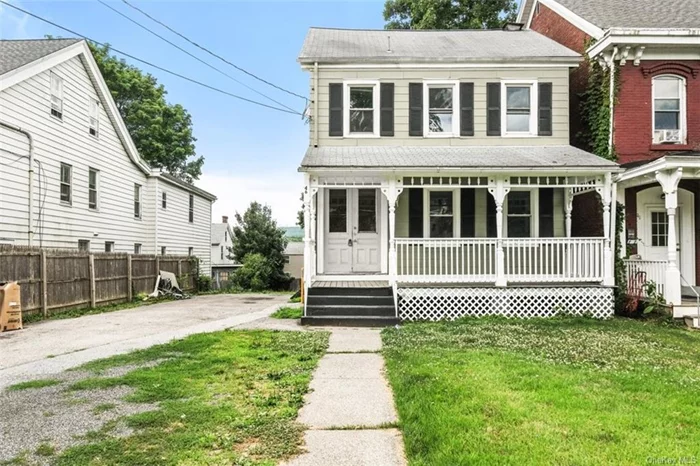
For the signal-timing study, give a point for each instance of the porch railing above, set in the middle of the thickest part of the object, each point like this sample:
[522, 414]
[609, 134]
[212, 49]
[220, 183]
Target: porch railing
[641, 272]
[473, 260]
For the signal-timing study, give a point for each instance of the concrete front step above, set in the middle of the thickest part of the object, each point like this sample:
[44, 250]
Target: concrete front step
[349, 321]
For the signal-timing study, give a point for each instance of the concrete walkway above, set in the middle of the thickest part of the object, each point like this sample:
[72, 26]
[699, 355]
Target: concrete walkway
[350, 409]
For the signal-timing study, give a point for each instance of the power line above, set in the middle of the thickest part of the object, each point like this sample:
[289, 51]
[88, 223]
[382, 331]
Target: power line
[194, 56]
[212, 53]
[165, 70]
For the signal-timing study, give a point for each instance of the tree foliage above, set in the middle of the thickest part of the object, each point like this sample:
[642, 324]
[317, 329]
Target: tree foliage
[162, 132]
[300, 213]
[256, 233]
[448, 14]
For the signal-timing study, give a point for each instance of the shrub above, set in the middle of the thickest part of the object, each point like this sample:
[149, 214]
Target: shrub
[258, 274]
[203, 283]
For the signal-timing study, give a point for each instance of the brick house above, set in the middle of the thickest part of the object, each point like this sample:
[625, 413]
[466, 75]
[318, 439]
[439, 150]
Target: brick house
[654, 48]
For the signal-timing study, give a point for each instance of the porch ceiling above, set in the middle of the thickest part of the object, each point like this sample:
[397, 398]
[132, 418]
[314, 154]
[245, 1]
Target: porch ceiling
[450, 157]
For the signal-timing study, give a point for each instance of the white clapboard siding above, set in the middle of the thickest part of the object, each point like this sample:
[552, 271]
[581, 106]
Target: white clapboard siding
[559, 77]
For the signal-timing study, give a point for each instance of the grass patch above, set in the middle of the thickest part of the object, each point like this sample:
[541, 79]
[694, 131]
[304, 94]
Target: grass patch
[558, 391]
[288, 313]
[39, 383]
[103, 408]
[228, 397]
[45, 449]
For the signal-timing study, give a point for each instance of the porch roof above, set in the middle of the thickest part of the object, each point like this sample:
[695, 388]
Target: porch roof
[454, 157]
[689, 161]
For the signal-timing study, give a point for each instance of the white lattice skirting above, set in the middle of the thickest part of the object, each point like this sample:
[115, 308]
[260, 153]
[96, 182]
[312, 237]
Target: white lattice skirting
[453, 303]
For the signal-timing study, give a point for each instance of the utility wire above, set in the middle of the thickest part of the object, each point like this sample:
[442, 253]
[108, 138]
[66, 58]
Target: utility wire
[194, 56]
[212, 53]
[165, 70]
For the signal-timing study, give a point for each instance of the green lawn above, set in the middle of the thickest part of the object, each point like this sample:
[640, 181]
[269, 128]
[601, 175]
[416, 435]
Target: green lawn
[288, 313]
[225, 398]
[566, 392]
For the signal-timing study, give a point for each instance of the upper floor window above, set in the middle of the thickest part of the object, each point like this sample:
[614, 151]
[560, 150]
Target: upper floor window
[94, 117]
[440, 109]
[669, 109]
[93, 176]
[137, 201]
[164, 200]
[362, 108]
[191, 209]
[518, 114]
[66, 183]
[56, 96]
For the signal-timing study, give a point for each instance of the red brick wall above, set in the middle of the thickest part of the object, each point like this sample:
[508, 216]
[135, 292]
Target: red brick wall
[633, 131]
[550, 24]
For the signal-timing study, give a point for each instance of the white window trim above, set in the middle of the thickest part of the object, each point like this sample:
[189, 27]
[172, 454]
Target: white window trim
[456, 210]
[534, 213]
[97, 189]
[346, 107]
[455, 108]
[534, 107]
[683, 108]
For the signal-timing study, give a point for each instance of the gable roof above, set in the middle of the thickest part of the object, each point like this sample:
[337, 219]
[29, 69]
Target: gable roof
[185, 185]
[17, 53]
[667, 14]
[429, 46]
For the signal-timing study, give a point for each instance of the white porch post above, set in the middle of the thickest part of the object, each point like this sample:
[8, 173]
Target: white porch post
[606, 194]
[307, 230]
[669, 184]
[314, 234]
[568, 207]
[391, 192]
[499, 190]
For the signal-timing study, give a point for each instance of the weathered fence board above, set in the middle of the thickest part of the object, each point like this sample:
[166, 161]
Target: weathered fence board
[53, 280]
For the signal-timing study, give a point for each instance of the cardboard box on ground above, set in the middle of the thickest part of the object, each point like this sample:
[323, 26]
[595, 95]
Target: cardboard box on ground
[10, 307]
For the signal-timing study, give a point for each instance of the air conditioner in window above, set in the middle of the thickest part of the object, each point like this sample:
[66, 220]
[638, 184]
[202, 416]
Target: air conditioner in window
[667, 136]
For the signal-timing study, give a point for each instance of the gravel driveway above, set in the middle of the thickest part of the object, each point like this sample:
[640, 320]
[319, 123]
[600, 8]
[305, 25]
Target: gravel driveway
[53, 346]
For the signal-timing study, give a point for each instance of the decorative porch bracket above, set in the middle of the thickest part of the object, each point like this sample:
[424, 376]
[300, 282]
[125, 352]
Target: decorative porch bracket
[499, 188]
[669, 179]
[391, 191]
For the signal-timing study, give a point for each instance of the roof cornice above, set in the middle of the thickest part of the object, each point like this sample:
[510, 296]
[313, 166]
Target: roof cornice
[645, 37]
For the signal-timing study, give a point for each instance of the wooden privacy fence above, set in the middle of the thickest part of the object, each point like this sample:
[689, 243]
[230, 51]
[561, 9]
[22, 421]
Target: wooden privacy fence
[54, 280]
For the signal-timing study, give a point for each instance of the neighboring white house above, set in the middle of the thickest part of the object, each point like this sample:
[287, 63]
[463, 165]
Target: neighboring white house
[294, 259]
[222, 266]
[440, 181]
[87, 186]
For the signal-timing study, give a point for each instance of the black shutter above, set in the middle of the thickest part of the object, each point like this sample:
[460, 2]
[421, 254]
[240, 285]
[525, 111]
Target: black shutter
[491, 228]
[415, 213]
[466, 118]
[415, 109]
[386, 108]
[493, 109]
[546, 212]
[335, 109]
[545, 109]
[467, 217]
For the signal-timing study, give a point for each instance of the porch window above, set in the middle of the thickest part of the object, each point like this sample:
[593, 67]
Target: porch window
[441, 214]
[659, 229]
[519, 214]
[367, 211]
[519, 117]
[669, 111]
[337, 210]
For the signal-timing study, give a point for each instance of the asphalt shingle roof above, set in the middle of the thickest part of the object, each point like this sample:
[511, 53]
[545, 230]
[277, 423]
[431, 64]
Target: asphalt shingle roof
[371, 46]
[482, 157]
[672, 14]
[17, 53]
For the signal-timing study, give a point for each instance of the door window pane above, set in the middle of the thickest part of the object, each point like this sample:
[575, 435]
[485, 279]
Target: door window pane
[519, 214]
[440, 109]
[441, 214]
[367, 211]
[337, 211]
[659, 229]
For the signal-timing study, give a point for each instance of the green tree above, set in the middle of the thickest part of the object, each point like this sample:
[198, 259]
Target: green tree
[256, 232]
[448, 14]
[300, 213]
[162, 132]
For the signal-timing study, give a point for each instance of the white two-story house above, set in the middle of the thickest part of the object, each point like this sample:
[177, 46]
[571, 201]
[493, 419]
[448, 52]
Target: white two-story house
[70, 174]
[222, 264]
[440, 181]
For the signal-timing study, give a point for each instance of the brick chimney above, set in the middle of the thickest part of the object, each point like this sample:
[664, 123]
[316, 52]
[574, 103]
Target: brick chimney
[224, 219]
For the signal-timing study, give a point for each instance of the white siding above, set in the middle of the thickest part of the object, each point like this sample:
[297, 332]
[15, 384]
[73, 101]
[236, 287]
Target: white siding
[175, 231]
[226, 242]
[27, 105]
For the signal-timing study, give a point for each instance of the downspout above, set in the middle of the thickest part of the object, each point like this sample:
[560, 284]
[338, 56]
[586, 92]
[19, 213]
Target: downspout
[315, 116]
[612, 100]
[30, 174]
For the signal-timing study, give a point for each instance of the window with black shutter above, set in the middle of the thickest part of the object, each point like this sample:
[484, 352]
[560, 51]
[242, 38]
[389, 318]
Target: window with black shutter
[467, 215]
[335, 109]
[415, 213]
[493, 109]
[415, 111]
[466, 119]
[546, 212]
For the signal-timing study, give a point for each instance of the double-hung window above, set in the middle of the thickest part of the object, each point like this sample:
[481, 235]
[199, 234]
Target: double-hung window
[441, 116]
[442, 213]
[362, 104]
[518, 108]
[56, 96]
[519, 220]
[93, 180]
[164, 200]
[669, 109]
[66, 183]
[137, 201]
[94, 118]
[191, 208]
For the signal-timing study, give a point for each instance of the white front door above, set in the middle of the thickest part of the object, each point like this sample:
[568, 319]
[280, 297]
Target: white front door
[352, 231]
